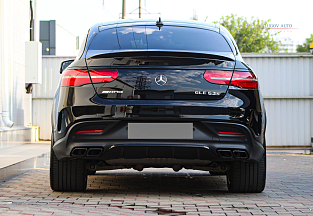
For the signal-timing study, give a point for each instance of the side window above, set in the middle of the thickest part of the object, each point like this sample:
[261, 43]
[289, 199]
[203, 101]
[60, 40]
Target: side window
[231, 43]
[234, 46]
[106, 40]
[230, 39]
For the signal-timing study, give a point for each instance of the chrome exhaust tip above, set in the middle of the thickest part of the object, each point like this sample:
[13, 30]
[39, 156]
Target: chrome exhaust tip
[225, 153]
[94, 152]
[240, 154]
[79, 152]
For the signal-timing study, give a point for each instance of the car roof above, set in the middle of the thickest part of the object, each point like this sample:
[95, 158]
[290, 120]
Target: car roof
[186, 23]
[96, 28]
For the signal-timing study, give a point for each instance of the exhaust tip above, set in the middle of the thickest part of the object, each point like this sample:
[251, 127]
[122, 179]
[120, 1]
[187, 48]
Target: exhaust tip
[240, 154]
[225, 153]
[79, 151]
[94, 152]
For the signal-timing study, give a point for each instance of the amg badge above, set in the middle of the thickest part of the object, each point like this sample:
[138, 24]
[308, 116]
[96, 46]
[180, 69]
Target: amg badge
[112, 92]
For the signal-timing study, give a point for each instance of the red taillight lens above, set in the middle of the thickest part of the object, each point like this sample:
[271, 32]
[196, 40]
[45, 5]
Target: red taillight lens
[75, 78]
[217, 77]
[90, 131]
[100, 76]
[81, 77]
[238, 78]
[229, 133]
[244, 80]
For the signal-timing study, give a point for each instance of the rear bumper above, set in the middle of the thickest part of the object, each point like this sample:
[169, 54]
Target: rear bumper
[113, 146]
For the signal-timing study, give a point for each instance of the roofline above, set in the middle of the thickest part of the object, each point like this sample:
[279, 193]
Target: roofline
[134, 21]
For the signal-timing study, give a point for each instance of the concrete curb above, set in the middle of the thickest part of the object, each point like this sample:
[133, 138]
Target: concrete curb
[18, 168]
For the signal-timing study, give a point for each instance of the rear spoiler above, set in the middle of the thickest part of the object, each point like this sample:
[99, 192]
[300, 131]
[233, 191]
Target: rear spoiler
[228, 56]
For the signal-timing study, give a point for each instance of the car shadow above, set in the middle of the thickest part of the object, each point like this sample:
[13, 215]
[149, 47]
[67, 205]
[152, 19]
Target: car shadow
[157, 181]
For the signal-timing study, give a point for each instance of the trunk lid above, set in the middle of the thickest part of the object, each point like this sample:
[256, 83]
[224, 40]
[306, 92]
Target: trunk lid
[160, 75]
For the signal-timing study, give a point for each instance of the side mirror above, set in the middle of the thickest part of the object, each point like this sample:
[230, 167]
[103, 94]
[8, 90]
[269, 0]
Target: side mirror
[65, 64]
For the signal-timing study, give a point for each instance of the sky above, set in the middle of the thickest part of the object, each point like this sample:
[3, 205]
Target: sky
[77, 16]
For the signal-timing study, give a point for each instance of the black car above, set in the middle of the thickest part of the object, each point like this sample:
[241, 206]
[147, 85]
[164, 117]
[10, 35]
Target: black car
[158, 93]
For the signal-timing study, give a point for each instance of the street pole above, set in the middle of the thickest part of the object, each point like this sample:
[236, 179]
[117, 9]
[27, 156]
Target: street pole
[36, 22]
[139, 9]
[124, 9]
[31, 25]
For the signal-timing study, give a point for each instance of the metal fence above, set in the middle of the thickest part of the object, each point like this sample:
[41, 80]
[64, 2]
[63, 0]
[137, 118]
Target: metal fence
[286, 85]
[285, 82]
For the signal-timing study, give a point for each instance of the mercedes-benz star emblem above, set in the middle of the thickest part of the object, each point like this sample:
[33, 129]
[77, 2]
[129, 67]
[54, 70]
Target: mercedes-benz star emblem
[161, 80]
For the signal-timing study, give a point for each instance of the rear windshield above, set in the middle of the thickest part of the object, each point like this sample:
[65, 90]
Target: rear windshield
[166, 38]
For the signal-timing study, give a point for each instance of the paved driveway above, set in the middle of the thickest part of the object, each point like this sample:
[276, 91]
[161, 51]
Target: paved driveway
[289, 191]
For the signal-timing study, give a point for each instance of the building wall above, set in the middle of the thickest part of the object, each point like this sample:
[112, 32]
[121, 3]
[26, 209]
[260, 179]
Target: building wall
[65, 42]
[47, 37]
[287, 45]
[285, 81]
[14, 25]
[56, 40]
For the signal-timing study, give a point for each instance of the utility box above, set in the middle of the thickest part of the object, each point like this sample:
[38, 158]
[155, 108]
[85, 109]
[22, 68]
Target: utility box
[33, 62]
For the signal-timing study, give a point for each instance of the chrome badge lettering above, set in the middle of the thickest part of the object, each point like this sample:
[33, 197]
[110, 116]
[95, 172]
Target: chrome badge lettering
[112, 92]
[206, 93]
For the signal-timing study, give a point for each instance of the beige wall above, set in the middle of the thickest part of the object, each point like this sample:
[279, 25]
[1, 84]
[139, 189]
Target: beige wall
[14, 32]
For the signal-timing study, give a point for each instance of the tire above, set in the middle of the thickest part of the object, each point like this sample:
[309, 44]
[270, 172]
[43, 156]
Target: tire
[246, 177]
[91, 172]
[70, 175]
[217, 173]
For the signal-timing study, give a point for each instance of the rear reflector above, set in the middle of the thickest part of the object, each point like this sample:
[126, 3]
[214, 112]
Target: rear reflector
[229, 133]
[90, 131]
[238, 78]
[81, 77]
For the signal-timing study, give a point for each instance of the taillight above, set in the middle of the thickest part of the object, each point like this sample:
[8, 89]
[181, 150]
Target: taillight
[81, 77]
[238, 78]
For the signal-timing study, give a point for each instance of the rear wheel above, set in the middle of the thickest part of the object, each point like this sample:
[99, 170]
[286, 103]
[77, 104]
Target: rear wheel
[91, 172]
[247, 177]
[70, 175]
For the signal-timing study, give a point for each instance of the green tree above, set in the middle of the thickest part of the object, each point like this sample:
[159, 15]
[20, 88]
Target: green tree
[305, 47]
[194, 16]
[250, 36]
